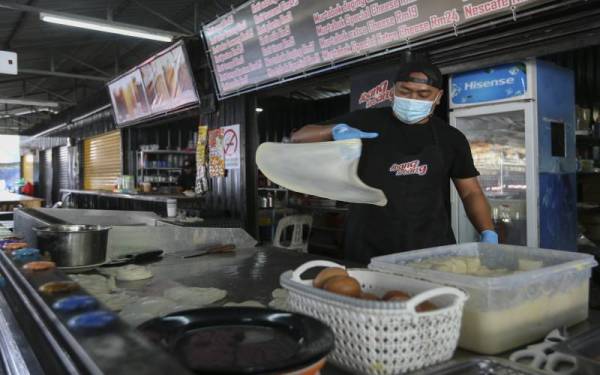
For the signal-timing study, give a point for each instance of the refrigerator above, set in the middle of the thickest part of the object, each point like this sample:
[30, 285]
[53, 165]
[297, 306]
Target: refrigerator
[519, 120]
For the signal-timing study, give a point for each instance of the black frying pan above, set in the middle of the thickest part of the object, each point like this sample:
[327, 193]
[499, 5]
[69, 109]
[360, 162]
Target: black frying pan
[241, 340]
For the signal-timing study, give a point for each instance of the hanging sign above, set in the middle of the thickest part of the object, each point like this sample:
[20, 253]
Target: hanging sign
[231, 146]
[264, 41]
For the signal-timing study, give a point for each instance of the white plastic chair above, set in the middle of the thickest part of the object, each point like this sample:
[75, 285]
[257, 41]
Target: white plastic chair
[297, 242]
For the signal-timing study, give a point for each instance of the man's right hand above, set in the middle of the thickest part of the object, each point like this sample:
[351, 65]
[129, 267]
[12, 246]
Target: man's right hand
[345, 131]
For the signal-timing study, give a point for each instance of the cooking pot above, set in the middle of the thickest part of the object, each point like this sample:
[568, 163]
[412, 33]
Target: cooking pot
[74, 245]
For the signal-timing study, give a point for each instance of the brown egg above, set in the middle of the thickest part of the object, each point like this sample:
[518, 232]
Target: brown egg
[326, 274]
[369, 296]
[426, 306]
[396, 296]
[344, 285]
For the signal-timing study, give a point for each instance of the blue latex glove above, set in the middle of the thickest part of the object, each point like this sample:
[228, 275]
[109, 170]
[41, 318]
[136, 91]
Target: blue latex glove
[489, 236]
[345, 131]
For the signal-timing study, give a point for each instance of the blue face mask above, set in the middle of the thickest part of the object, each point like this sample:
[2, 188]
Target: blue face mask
[411, 111]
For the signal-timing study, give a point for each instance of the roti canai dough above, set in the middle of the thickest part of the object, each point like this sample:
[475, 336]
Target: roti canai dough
[279, 300]
[132, 272]
[293, 166]
[195, 296]
[244, 304]
[116, 301]
[95, 284]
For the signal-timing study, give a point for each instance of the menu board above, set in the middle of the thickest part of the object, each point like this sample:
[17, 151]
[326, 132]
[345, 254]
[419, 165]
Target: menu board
[267, 40]
[159, 85]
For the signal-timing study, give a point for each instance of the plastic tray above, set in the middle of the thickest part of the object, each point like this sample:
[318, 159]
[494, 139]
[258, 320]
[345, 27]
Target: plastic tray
[505, 312]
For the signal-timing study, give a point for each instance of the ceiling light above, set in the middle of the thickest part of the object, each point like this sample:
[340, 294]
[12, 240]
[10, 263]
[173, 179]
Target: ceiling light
[106, 26]
[26, 111]
[259, 110]
[27, 102]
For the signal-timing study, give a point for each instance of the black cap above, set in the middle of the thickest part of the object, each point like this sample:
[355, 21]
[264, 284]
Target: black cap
[434, 76]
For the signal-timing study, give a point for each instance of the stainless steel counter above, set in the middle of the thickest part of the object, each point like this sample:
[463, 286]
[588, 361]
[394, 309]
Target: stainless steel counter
[252, 274]
[141, 196]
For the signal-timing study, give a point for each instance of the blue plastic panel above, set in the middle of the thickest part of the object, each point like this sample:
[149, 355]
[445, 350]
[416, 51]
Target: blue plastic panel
[558, 211]
[488, 85]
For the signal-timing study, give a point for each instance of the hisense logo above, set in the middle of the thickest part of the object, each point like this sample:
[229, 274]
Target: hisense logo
[475, 85]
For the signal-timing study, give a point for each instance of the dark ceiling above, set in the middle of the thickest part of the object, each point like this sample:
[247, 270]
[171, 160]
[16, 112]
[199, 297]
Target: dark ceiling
[45, 49]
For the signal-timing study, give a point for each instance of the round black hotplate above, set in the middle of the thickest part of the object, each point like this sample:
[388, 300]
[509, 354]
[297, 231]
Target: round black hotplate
[241, 340]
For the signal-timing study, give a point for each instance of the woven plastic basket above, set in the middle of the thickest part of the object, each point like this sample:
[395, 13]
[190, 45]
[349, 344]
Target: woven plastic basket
[379, 337]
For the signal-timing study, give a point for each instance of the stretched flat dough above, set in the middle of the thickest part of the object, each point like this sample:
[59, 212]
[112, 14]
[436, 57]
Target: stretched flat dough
[194, 296]
[323, 169]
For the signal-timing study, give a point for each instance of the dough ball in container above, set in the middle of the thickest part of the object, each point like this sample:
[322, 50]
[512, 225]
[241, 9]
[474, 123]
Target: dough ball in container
[194, 296]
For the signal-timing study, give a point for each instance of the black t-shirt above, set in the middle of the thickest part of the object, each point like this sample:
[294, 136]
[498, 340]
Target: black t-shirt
[410, 139]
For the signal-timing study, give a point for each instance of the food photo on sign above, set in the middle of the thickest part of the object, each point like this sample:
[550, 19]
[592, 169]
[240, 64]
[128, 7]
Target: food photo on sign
[216, 157]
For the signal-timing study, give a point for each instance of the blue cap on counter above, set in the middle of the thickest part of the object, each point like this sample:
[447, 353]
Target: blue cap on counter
[75, 303]
[27, 254]
[92, 320]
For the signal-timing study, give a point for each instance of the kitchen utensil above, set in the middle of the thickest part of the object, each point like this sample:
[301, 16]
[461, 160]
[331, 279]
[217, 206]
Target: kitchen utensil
[381, 337]
[478, 366]
[583, 349]
[242, 340]
[74, 245]
[217, 249]
[142, 257]
[552, 294]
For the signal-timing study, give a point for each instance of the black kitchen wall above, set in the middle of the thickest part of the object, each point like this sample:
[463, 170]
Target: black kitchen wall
[585, 64]
[281, 115]
[46, 176]
[227, 195]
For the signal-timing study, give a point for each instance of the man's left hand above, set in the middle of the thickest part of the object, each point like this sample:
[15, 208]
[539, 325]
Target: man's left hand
[489, 236]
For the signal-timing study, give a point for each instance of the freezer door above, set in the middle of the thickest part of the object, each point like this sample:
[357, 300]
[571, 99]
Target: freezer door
[498, 136]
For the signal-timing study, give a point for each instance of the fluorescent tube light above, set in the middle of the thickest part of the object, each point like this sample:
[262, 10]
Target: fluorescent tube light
[26, 102]
[105, 26]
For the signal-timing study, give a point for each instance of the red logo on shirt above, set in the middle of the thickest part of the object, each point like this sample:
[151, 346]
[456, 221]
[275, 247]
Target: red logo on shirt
[409, 168]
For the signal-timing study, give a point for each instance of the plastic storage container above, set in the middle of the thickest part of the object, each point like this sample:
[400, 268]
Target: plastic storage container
[381, 337]
[543, 290]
